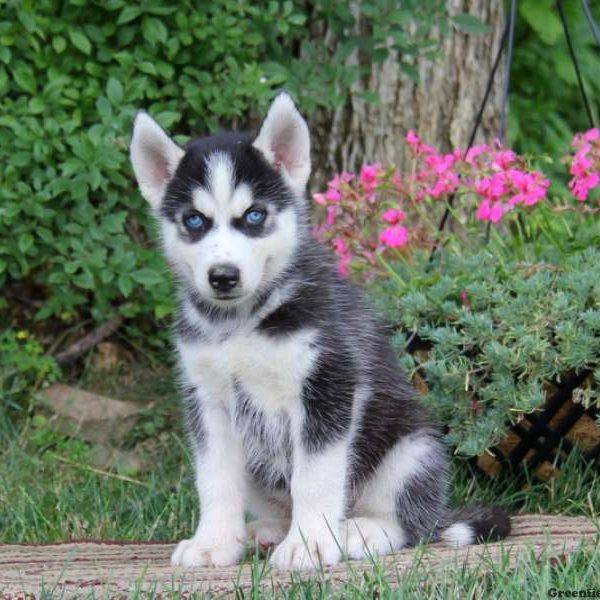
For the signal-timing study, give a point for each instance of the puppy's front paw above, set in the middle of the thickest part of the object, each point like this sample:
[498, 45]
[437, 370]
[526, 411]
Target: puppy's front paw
[297, 553]
[196, 553]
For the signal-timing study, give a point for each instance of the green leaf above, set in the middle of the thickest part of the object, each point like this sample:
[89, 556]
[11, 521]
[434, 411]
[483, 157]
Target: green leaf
[148, 277]
[125, 285]
[297, 19]
[162, 310]
[80, 41]
[25, 78]
[25, 242]
[84, 280]
[36, 106]
[154, 31]
[5, 54]
[410, 71]
[167, 117]
[540, 16]
[114, 91]
[59, 44]
[470, 23]
[104, 107]
[129, 13]
[113, 223]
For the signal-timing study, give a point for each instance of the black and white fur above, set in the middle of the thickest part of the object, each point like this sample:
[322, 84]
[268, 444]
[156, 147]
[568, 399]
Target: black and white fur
[296, 407]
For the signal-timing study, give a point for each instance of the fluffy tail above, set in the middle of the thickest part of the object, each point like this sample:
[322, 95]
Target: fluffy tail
[474, 524]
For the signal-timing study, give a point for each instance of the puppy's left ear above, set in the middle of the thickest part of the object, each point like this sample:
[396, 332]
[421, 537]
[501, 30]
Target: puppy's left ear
[285, 142]
[154, 157]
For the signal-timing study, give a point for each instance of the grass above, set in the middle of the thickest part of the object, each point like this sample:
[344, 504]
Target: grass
[50, 492]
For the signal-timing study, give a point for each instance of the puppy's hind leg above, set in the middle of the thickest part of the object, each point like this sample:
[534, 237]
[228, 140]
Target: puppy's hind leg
[402, 500]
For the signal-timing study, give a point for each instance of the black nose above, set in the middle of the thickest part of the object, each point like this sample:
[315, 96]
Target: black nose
[224, 278]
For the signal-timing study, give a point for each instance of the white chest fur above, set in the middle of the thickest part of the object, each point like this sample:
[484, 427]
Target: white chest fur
[271, 370]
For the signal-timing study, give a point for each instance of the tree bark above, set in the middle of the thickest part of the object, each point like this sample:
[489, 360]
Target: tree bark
[441, 107]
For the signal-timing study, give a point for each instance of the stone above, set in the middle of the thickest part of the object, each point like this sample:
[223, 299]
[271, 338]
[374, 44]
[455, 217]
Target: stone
[90, 417]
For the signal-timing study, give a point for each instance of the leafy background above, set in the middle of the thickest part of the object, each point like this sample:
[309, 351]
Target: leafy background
[75, 233]
[76, 240]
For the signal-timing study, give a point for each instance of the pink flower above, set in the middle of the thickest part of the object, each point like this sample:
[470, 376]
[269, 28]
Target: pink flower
[344, 265]
[491, 187]
[393, 216]
[445, 184]
[331, 215]
[412, 138]
[592, 135]
[581, 163]
[491, 211]
[440, 163]
[340, 246]
[474, 152]
[496, 212]
[338, 180]
[394, 236]
[503, 159]
[333, 195]
[483, 211]
[320, 199]
[369, 173]
[585, 164]
[341, 249]
[581, 186]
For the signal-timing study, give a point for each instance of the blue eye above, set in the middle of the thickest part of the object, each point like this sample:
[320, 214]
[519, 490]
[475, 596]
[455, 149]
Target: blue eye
[193, 221]
[255, 217]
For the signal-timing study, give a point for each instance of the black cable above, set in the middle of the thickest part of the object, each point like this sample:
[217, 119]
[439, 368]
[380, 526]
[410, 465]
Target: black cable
[561, 13]
[593, 25]
[478, 120]
[506, 85]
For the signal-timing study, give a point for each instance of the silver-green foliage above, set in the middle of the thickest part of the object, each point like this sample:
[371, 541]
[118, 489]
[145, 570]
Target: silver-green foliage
[499, 333]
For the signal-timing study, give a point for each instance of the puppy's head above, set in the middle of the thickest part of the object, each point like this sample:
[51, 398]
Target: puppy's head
[229, 205]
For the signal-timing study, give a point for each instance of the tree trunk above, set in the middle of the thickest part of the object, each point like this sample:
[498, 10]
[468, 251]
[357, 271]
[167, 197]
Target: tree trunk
[441, 107]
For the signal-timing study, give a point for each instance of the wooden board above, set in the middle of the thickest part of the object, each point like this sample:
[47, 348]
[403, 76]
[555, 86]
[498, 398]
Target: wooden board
[110, 569]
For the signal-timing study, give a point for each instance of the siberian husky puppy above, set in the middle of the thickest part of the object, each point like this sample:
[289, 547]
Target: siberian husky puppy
[297, 410]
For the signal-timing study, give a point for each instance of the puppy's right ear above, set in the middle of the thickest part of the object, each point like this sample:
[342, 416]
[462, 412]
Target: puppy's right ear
[154, 157]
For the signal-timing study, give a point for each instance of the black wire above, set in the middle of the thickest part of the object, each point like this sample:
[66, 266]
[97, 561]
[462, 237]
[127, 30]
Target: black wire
[478, 120]
[593, 25]
[561, 13]
[506, 85]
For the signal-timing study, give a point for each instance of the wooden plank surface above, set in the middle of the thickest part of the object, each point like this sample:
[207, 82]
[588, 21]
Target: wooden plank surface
[111, 568]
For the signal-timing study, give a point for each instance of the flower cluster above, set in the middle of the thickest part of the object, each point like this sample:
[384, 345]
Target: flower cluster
[585, 163]
[379, 211]
[351, 206]
[497, 177]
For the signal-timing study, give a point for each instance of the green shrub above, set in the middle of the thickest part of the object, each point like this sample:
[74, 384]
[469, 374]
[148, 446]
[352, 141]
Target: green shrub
[23, 369]
[73, 228]
[498, 334]
[546, 106]
[72, 224]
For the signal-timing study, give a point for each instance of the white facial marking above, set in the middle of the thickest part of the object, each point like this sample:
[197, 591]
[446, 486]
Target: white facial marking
[241, 200]
[220, 181]
[204, 202]
[260, 259]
